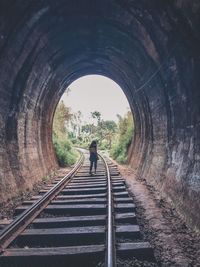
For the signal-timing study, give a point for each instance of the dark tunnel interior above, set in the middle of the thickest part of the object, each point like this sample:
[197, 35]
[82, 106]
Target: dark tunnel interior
[150, 48]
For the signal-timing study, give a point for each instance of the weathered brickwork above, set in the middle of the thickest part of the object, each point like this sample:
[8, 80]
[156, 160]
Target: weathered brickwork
[150, 48]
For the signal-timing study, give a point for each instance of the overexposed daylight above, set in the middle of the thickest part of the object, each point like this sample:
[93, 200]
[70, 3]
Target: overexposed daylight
[96, 92]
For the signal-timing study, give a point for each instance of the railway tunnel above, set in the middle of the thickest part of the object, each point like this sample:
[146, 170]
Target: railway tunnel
[150, 48]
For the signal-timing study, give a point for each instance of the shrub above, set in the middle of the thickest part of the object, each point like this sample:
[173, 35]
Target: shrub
[65, 153]
[120, 147]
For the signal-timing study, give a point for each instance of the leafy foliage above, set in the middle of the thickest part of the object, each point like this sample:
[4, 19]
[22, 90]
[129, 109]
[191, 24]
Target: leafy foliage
[103, 131]
[123, 139]
[69, 129]
[65, 154]
[61, 116]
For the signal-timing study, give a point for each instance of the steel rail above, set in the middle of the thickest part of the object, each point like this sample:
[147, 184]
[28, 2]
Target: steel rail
[110, 238]
[22, 221]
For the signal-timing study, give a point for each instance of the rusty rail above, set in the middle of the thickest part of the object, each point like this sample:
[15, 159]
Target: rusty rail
[110, 238]
[22, 221]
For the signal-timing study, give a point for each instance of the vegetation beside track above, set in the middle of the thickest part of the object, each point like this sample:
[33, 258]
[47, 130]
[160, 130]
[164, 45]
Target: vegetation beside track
[65, 153]
[69, 130]
[123, 138]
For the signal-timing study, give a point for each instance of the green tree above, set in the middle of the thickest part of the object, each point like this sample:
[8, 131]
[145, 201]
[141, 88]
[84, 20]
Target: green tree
[76, 124]
[61, 117]
[96, 115]
[103, 131]
[108, 129]
[125, 133]
[63, 147]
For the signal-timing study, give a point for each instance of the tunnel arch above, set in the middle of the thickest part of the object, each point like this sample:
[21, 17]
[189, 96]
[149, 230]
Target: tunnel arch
[151, 49]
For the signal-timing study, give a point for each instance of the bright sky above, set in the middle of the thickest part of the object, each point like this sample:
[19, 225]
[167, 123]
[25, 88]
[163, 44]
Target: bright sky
[95, 92]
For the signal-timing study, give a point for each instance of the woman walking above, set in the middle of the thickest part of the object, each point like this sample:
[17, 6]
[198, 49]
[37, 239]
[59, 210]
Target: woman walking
[93, 156]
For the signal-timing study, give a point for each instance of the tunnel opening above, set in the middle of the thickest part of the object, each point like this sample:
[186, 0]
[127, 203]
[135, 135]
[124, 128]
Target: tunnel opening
[93, 107]
[150, 49]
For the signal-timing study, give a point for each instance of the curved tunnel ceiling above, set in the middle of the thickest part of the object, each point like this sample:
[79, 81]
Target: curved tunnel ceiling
[151, 49]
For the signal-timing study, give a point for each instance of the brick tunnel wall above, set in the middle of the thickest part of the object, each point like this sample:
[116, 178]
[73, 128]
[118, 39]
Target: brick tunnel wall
[150, 48]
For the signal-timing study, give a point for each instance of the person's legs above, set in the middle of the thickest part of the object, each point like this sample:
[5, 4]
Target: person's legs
[95, 166]
[91, 165]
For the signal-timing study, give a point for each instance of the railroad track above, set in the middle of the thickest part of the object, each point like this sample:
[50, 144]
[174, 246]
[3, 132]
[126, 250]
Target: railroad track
[78, 220]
